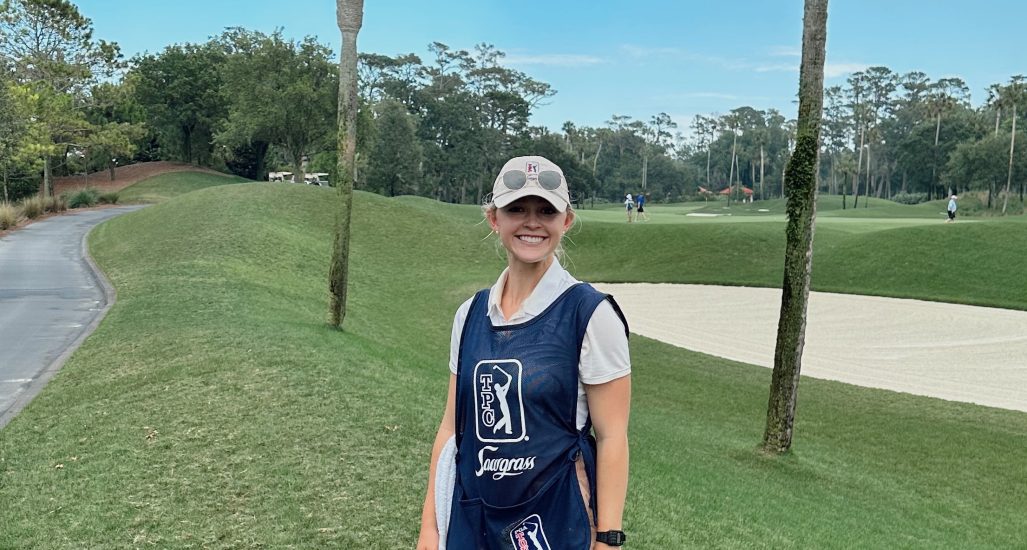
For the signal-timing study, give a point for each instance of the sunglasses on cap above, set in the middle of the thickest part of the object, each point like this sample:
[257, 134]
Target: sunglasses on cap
[549, 180]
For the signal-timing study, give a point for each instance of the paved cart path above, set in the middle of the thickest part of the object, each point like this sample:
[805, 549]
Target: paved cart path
[51, 298]
[950, 351]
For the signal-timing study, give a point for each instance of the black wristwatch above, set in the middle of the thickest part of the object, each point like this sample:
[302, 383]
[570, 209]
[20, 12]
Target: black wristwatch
[611, 538]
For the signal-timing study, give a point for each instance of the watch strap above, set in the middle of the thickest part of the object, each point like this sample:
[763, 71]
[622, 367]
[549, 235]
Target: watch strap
[611, 538]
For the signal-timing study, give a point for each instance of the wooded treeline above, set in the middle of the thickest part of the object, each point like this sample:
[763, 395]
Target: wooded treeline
[247, 101]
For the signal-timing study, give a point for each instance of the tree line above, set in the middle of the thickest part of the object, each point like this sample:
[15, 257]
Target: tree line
[248, 102]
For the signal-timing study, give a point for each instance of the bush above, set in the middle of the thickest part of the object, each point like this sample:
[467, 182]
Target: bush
[108, 198]
[60, 203]
[20, 186]
[975, 203]
[33, 207]
[909, 198]
[83, 198]
[8, 215]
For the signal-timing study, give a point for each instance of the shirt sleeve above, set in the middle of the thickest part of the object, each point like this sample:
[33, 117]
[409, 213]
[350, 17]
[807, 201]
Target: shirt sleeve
[458, 328]
[604, 350]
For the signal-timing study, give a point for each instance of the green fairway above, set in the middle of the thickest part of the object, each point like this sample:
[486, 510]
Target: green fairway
[972, 261]
[213, 408]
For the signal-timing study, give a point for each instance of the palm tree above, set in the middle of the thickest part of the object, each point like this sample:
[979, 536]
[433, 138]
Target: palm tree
[801, 179]
[1011, 94]
[350, 15]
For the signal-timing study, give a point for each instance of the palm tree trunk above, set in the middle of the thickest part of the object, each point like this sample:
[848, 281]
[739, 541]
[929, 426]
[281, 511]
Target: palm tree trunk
[834, 175]
[859, 166]
[866, 196]
[731, 173]
[1009, 177]
[801, 206]
[349, 14]
[934, 160]
[762, 196]
[752, 175]
[645, 169]
[709, 151]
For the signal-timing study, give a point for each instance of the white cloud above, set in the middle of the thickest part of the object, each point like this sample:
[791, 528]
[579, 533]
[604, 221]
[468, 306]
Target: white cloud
[711, 95]
[556, 59]
[777, 67]
[785, 51]
[691, 97]
[643, 51]
[832, 70]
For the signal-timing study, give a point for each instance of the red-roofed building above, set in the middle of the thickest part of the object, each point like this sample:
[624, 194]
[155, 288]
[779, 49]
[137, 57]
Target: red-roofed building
[727, 191]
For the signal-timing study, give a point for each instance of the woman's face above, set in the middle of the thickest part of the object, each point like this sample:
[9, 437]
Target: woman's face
[530, 228]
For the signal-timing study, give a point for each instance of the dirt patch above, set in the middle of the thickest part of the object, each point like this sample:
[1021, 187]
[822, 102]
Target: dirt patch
[125, 176]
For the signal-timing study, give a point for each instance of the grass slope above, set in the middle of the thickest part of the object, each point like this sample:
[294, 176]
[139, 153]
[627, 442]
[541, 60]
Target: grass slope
[213, 408]
[166, 186]
[975, 263]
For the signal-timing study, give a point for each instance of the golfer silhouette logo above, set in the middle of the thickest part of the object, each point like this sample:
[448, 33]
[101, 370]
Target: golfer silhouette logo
[499, 402]
[528, 534]
[502, 389]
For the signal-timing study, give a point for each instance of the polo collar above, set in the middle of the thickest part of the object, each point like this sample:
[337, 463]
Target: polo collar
[546, 291]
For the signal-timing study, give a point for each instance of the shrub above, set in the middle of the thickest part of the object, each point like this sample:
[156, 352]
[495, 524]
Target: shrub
[83, 198]
[60, 203]
[909, 198]
[108, 198]
[21, 185]
[8, 215]
[33, 207]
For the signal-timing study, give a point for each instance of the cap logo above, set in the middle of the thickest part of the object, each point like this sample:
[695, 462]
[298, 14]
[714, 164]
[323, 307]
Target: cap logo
[531, 168]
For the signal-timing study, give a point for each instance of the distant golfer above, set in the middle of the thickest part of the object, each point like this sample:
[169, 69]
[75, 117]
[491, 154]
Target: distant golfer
[629, 205]
[549, 354]
[952, 209]
[640, 200]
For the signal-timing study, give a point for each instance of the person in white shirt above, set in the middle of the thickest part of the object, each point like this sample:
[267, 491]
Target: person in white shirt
[537, 300]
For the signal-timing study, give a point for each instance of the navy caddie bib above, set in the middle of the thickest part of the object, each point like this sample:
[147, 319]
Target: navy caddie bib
[516, 434]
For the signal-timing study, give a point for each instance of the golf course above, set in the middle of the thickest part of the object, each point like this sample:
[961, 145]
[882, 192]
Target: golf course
[215, 408]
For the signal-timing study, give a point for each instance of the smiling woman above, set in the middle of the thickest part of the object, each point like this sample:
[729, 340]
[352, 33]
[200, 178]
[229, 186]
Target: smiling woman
[533, 439]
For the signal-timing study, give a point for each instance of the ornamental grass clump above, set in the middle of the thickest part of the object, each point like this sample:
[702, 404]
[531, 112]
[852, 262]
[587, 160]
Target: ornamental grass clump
[33, 207]
[8, 215]
[55, 204]
[108, 198]
[83, 198]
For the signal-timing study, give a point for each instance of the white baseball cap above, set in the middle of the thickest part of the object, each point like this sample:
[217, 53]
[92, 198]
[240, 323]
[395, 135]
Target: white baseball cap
[527, 176]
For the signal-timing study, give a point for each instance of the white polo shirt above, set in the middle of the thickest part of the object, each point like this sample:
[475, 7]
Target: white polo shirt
[604, 350]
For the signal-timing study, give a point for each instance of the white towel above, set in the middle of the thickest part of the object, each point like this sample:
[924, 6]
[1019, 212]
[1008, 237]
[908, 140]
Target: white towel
[445, 480]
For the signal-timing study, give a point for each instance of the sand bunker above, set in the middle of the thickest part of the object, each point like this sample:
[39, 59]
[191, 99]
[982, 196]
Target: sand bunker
[955, 352]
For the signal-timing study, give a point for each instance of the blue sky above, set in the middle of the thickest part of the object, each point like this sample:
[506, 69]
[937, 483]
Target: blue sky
[636, 58]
